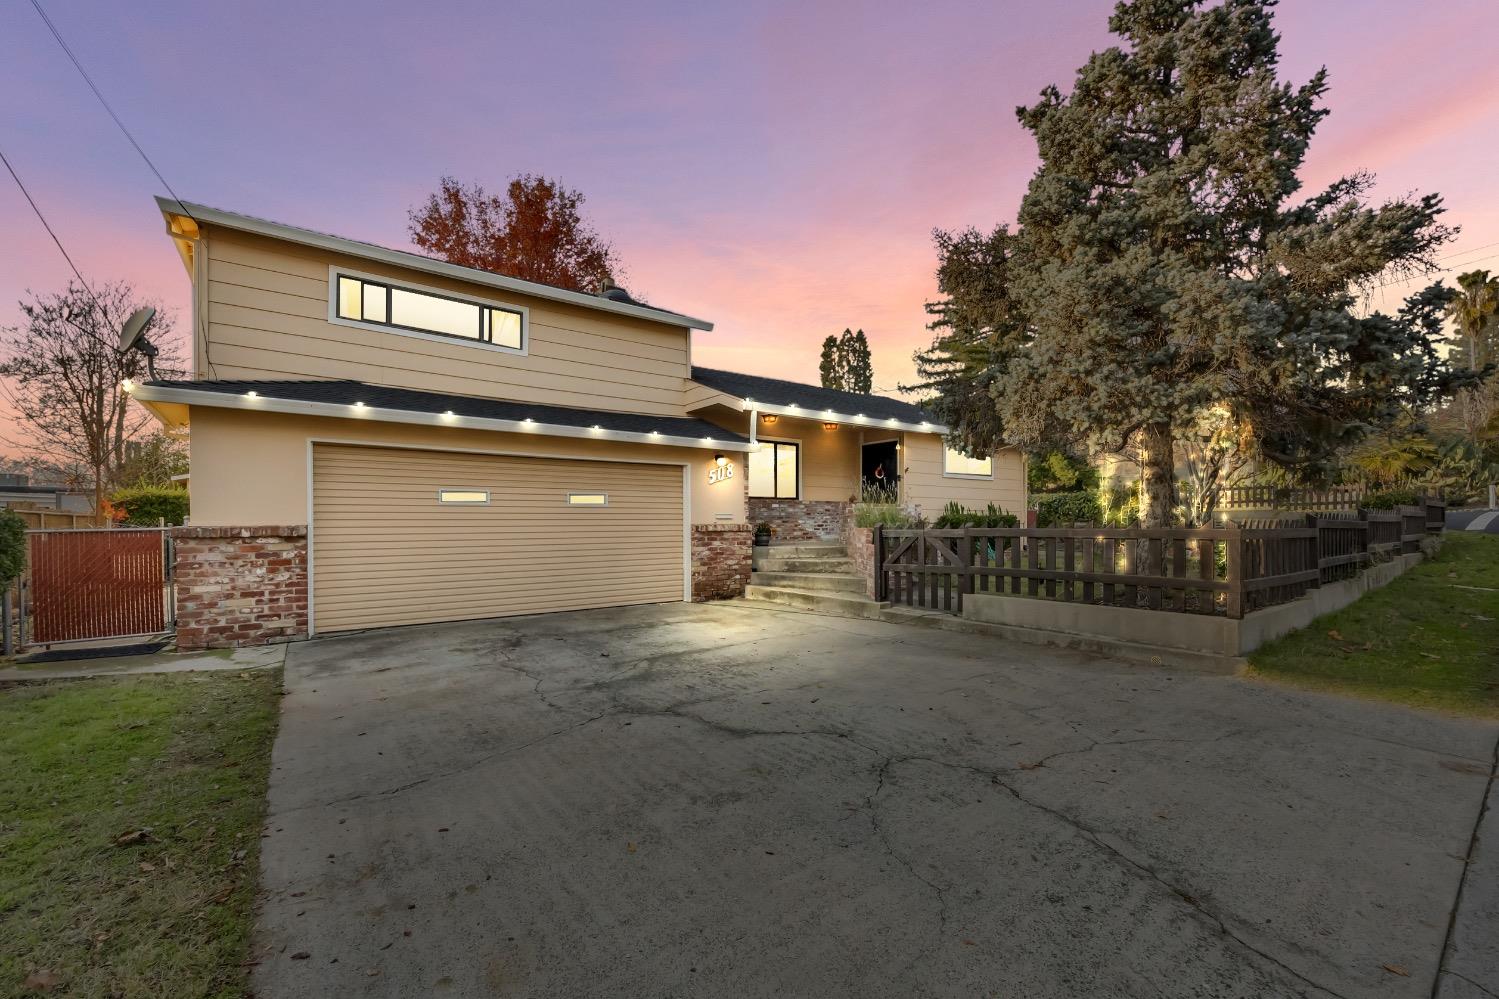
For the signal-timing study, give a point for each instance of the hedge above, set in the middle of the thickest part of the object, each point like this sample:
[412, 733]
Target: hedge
[1389, 499]
[1066, 509]
[12, 546]
[148, 505]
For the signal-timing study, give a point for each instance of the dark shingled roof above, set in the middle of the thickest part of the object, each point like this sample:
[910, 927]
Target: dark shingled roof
[436, 403]
[778, 392]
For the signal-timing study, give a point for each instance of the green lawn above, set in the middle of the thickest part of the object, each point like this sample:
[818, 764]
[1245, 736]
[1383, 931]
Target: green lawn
[1430, 638]
[130, 813]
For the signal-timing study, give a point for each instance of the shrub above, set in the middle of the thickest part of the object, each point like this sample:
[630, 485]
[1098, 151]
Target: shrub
[12, 547]
[1064, 509]
[1057, 471]
[889, 514]
[1389, 499]
[955, 515]
[146, 505]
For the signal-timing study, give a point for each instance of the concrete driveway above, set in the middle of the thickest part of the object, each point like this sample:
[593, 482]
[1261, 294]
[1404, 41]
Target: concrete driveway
[730, 800]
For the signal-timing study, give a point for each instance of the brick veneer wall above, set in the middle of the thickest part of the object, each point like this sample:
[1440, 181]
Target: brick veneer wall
[801, 520]
[239, 586]
[721, 555]
[861, 553]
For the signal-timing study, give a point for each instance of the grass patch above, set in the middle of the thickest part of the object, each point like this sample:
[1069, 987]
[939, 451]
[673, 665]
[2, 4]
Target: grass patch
[1430, 638]
[130, 817]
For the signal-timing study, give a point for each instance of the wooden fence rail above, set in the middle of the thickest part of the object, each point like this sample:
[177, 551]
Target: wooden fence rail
[1229, 570]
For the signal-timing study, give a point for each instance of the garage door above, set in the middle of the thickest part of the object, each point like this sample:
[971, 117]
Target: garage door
[411, 537]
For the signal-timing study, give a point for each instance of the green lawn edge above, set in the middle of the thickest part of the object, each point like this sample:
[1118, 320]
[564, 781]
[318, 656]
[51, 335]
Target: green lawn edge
[1429, 639]
[177, 766]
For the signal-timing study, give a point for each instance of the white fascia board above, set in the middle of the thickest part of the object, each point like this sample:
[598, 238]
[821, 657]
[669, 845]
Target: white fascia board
[417, 262]
[851, 419]
[266, 404]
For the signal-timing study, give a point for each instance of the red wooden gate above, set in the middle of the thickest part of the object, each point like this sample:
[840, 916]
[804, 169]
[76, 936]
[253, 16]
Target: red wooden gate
[97, 584]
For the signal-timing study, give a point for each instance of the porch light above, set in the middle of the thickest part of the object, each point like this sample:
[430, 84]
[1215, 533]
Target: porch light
[830, 426]
[358, 405]
[252, 394]
[528, 420]
[720, 460]
[770, 419]
[655, 433]
[447, 414]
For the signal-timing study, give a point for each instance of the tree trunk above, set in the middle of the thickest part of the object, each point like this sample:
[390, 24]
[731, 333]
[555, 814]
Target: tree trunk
[1157, 489]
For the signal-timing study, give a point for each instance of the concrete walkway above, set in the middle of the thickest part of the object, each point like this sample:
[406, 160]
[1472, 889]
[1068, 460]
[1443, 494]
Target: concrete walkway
[161, 662]
[732, 800]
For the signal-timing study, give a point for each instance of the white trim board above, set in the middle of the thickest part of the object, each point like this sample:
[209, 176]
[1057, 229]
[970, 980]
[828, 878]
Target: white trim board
[266, 404]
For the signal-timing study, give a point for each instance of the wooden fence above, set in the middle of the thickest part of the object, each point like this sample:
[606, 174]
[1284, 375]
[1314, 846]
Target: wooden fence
[46, 519]
[1299, 500]
[1230, 570]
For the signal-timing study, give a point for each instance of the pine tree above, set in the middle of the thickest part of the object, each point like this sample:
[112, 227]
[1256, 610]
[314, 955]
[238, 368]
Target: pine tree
[828, 368]
[846, 364]
[1160, 266]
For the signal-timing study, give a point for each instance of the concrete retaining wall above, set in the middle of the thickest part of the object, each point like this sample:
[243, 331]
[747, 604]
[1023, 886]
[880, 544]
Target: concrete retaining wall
[1198, 633]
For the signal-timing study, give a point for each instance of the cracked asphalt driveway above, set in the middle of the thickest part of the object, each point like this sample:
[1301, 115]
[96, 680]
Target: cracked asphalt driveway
[730, 800]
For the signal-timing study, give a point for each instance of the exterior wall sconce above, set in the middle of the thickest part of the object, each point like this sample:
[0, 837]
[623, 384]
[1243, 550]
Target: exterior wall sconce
[720, 460]
[830, 426]
[770, 419]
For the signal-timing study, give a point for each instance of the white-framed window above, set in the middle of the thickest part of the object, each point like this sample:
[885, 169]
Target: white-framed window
[959, 465]
[774, 470]
[587, 499]
[372, 302]
[463, 497]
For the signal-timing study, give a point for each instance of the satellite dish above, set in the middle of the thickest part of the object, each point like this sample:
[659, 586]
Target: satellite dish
[135, 327]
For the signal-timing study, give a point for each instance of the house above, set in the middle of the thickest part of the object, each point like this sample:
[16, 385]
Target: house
[380, 438]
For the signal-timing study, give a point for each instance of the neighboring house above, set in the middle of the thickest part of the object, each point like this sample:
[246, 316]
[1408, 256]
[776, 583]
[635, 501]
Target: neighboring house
[17, 490]
[381, 438]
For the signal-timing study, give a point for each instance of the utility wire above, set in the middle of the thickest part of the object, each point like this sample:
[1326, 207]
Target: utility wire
[46, 225]
[78, 65]
[99, 94]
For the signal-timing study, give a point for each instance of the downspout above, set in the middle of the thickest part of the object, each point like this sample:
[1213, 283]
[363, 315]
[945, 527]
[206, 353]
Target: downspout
[754, 422]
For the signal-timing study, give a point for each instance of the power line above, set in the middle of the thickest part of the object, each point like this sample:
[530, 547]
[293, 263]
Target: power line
[97, 93]
[78, 65]
[46, 225]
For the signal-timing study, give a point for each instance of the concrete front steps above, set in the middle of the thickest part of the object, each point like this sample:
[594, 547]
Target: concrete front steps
[810, 575]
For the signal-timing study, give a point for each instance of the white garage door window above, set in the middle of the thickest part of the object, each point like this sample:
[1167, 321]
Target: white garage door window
[404, 536]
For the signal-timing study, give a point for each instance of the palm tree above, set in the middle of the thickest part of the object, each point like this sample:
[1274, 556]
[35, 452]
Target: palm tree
[1473, 313]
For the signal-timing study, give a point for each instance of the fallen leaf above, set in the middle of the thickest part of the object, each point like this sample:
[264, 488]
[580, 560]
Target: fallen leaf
[42, 981]
[1396, 969]
[300, 955]
[147, 868]
[1335, 635]
[1031, 766]
[969, 943]
[629, 847]
[134, 837]
[1429, 655]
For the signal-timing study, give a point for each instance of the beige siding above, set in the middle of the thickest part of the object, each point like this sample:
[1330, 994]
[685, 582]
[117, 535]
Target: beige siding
[924, 485]
[385, 552]
[830, 458]
[267, 316]
[251, 468]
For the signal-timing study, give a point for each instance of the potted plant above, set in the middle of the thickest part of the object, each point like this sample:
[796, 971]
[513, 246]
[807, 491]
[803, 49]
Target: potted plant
[762, 535]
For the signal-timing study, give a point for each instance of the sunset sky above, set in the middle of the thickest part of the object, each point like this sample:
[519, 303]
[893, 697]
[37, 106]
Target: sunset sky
[774, 167]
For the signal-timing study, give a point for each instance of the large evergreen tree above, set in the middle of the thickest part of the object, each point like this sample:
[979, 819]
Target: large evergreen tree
[1160, 265]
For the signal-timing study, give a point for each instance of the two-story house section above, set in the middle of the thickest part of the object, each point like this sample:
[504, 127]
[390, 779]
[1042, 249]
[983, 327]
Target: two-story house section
[381, 438]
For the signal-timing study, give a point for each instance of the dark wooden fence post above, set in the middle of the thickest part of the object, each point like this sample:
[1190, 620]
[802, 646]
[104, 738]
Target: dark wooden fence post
[1233, 553]
[1314, 547]
[879, 563]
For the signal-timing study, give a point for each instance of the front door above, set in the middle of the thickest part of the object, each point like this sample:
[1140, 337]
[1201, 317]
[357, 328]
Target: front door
[880, 470]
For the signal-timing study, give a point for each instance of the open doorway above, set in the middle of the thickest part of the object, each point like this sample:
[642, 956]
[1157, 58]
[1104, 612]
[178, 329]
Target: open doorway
[880, 469]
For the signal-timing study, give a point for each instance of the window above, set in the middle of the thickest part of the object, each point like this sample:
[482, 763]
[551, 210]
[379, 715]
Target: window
[366, 301]
[773, 470]
[955, 462]
[463, 497]
[587, 499]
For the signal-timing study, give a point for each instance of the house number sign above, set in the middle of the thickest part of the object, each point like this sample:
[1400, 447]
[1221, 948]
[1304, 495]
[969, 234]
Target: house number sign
[720, 473]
